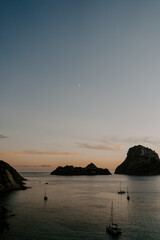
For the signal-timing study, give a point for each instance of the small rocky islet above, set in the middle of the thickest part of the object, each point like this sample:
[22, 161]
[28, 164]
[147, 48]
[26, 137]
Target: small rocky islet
[89, 170]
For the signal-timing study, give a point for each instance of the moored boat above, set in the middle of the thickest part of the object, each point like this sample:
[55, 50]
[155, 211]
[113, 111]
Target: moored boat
[113, 227]
[120, 191]
[128, 197]
[45, 196]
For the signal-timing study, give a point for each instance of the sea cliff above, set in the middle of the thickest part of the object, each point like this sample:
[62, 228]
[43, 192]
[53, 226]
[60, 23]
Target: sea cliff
[10, 179]
[140, 160]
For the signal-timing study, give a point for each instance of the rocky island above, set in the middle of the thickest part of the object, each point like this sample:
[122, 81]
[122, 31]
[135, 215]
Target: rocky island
[10, 179]
[140, 161]
[91, 169]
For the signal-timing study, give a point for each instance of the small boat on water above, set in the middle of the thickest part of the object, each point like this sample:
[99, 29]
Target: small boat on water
[113, 227]
[120, 191]
[45, 196]
[128, 197]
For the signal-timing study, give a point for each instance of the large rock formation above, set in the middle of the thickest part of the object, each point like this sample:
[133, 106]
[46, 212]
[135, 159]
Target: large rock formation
[10, 179]
[140, 161]
[91, 169]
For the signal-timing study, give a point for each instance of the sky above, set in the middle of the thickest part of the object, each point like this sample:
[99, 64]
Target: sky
[79, 81]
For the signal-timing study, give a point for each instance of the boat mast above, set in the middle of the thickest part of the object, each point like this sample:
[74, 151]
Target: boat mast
[128, 197]
[111, 218]
[120, 187]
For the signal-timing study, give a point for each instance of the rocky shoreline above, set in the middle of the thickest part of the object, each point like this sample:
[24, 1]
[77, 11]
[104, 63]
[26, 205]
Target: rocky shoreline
[10, 179]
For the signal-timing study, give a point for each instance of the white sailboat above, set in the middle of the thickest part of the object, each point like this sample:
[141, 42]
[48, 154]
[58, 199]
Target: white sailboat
[113, 227]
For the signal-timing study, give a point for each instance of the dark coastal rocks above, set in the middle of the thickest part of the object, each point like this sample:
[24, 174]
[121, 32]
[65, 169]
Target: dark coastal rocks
[91, 169]
[10, 179]
[140, 161]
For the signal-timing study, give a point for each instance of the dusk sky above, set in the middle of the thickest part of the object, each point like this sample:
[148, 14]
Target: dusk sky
[79, 81]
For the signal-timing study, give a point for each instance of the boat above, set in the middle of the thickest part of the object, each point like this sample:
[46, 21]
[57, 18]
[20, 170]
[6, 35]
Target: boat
[45, 196]
[120, 190]
[128, 197]
[113, 228]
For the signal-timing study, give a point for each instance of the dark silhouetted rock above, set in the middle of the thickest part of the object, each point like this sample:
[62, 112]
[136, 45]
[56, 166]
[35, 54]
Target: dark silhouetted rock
[140, 161]
[91, 169]
[10, 179]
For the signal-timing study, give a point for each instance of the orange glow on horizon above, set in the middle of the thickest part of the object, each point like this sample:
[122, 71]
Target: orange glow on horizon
[8, 154]
[34, 161]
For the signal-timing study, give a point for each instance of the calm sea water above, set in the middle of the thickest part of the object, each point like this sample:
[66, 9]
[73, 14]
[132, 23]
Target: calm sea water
[78, 207]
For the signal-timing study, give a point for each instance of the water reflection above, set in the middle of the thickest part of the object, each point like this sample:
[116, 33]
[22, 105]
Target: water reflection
[79, 208]
[4, 225]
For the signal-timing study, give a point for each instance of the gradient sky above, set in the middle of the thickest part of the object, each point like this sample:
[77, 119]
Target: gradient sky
[79, 81]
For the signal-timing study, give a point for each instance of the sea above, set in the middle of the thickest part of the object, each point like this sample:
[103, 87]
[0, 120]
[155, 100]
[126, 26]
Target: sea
[79, 207]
